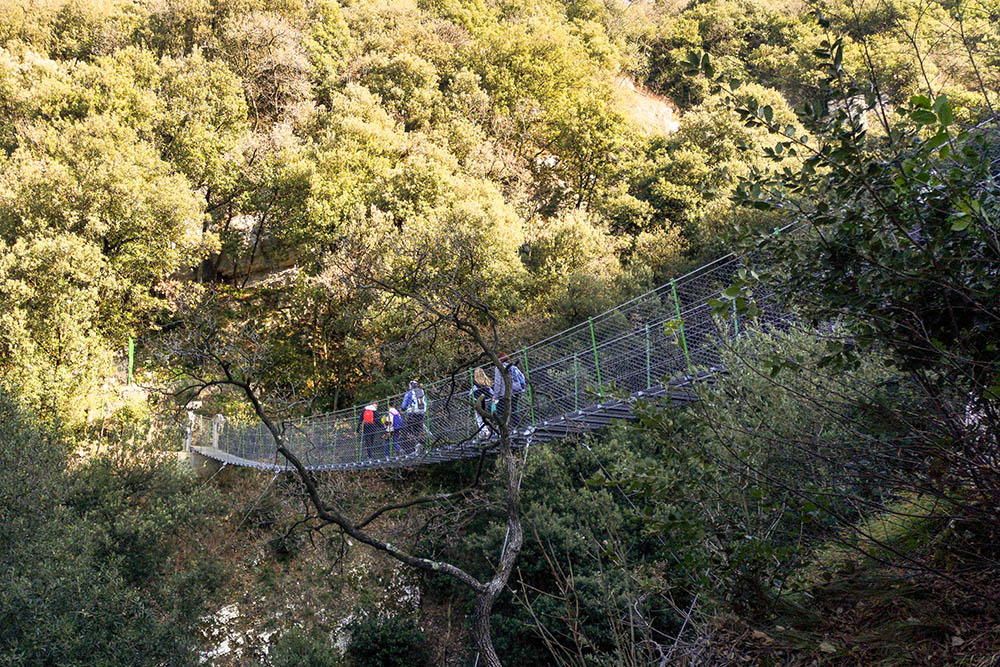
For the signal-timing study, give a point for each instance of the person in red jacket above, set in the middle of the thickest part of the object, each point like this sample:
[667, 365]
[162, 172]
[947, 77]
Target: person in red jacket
[369, 427]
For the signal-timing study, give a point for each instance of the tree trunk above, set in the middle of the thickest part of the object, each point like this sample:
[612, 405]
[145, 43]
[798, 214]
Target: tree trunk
[481, 629]
[487, 596]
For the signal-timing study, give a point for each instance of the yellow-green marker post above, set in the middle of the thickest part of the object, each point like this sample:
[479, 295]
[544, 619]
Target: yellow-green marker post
[131, 360]
[677, 306]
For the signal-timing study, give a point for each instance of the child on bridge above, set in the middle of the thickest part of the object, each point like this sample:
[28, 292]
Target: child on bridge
[393, 433]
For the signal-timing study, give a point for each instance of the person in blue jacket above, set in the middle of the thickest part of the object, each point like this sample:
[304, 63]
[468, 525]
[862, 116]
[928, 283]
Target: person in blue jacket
[518, 384]
[414, 409]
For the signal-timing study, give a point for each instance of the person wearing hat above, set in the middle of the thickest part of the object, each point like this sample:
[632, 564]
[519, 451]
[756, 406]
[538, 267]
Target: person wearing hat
[368, 427]
[482, 389]
[414, 409]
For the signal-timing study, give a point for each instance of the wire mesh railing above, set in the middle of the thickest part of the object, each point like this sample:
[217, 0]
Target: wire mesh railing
[574, 380]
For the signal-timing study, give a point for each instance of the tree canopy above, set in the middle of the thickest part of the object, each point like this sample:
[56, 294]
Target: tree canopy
[278, 163]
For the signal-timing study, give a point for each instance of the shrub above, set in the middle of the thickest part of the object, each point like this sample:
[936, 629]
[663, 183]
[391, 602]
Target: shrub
[387, 642]
[297, 648]
[84, 554]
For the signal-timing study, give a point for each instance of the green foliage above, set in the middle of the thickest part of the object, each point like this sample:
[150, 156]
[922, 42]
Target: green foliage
[237, 139]
[327, 42]
[573, 245]
[711, 507]
[688, 179]
[109, 491]
[388, 642]
[735, 491]
[204, 121]
[585, 561]
[897, 235]
[897, 238]
[51, 342]
[85, 549]
[95, 214]
[265, 145]
[296, 648]
[96, 180]
[29, 453]
[757, 41]
[911, 230]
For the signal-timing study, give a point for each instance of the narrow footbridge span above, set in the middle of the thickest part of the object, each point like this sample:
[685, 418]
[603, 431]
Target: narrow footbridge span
[655, 345]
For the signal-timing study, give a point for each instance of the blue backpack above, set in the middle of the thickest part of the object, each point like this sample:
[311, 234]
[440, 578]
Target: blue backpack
[517, 381]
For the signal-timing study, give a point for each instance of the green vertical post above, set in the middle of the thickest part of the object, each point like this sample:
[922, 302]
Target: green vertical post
[576, 382]
[677, 306]
[131, 360]
[649, 381]
[472, 397]
[597, 362]
[357, 434]
[527, 379]
[736, 321]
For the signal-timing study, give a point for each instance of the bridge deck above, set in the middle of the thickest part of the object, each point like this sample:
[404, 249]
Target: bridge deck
[573, 423]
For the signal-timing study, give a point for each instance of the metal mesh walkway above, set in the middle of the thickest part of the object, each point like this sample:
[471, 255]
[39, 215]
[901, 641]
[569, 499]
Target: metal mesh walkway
[580, 379]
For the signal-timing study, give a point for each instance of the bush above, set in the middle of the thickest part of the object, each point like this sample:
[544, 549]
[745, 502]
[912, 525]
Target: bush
[297, 648]
[387, 642]
[84, 554]
[151, 499]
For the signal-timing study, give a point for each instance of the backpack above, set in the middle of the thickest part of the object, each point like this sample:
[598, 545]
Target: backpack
[419, 404]
[517, 381]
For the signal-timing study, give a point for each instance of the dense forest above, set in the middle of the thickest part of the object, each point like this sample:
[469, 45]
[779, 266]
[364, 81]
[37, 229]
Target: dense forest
[269, 209]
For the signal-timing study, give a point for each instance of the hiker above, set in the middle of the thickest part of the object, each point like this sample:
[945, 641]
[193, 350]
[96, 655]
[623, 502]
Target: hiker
[393, 437]
[368, 427]
[414, 409]
[517, 386]
[481, 389]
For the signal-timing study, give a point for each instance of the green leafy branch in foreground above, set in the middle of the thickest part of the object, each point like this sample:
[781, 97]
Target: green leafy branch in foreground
[890, 228]
[898, 222]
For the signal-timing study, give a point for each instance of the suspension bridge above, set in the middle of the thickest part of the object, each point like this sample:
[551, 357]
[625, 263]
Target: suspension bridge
[657, 345]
